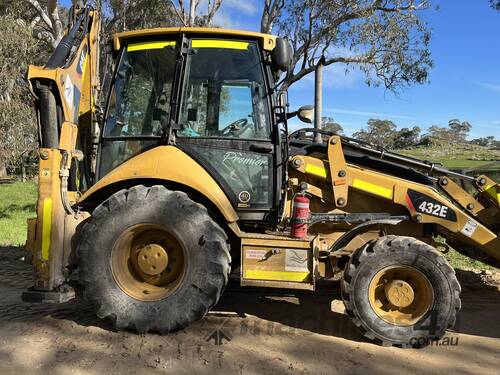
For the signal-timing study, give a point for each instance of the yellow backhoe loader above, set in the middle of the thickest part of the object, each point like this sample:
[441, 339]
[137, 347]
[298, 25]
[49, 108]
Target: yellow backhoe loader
[185, 174]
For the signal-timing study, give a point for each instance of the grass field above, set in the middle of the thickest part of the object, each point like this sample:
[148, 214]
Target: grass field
[459, 156]
[17, 203]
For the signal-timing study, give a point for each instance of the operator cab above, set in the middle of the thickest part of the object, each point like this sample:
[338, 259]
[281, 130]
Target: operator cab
[212, 95]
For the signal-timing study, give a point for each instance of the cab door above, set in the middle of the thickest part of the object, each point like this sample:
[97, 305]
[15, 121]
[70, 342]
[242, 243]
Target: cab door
[225, 122]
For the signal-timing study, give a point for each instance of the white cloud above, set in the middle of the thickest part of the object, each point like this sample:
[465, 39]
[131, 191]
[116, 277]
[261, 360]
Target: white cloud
[335, 76]
[226, 21]
[243, 6]
[492, 124]
[365, 114]
[235, 14]
[489, 86]
[486, 124]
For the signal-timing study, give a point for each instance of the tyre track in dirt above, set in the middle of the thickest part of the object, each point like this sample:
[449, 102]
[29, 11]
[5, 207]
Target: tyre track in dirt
[259, 331]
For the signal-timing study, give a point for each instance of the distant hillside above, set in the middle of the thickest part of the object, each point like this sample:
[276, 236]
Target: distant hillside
[457, 155]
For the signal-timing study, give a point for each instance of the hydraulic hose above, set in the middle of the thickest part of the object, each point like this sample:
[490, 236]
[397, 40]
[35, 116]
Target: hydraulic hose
[48, 117]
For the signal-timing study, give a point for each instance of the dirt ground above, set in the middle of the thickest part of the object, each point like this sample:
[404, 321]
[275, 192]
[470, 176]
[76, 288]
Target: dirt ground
[258, 332]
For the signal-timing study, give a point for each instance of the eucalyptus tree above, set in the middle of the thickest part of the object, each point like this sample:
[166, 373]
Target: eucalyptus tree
[386, 39]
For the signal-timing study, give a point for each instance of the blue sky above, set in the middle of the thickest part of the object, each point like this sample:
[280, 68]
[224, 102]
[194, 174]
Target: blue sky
[464, 83]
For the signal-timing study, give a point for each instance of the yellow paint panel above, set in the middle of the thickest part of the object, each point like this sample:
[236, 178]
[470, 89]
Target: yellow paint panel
[46, 227]
[268, 41]
[276, 275]
[314, 169]
[210, 43]
[182, 169]
[372, 188]
[149, 45]
[492, 190]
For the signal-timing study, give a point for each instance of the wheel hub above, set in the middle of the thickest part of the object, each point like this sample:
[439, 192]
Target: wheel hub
[148, 262]
[399, 293]
[152, 259]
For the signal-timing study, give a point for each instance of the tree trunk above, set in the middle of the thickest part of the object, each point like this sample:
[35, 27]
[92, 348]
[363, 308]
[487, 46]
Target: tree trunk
[3, 170]
[192, 12]
[23, 169]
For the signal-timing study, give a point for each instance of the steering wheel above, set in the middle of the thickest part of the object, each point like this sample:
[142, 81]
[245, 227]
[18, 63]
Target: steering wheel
[235, 126]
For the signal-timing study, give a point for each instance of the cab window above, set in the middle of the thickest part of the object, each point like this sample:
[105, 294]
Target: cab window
[139, 102]
[224, 94]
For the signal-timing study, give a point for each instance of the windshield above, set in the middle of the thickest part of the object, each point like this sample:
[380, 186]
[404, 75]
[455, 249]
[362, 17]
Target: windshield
[139, 101]
[224, 95]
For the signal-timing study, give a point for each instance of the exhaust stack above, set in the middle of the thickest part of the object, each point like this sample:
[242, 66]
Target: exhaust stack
[318, 98]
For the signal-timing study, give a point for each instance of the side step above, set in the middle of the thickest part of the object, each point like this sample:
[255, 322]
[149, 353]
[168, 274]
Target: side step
[61, 294]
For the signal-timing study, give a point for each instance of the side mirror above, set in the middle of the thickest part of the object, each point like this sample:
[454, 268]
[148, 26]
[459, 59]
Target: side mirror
[306, 114]
[281, 55]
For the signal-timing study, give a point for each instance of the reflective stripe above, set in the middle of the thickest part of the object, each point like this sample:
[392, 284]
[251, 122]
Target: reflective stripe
[276, 275]
[491, 190]
[46, 227]
[149, 45]
[372, 188]
[318, 171]
[301, 205]
[210, 43]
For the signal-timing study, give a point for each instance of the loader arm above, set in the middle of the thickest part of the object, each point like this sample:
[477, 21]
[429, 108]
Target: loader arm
[65, 91]
[467, 222]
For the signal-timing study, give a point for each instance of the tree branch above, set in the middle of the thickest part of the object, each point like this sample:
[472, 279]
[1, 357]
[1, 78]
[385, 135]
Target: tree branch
[193, 5]
[271, 11]
[35, 21]
[180, 13]
[44, 36]
[57, 26]
[41, 12]
[211, 11]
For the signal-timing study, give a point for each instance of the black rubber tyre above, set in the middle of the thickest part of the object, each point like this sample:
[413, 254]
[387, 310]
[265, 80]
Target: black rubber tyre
[394, 251]
[207, 253]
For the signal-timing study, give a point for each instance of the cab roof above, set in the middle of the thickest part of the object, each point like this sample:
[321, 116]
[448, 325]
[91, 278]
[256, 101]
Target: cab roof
[268, 41]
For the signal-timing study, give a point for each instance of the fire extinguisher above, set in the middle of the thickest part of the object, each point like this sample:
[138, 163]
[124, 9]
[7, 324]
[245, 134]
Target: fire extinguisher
[300, 216]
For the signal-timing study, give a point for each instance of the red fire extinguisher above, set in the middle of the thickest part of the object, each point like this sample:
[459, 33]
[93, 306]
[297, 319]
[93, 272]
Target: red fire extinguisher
[300, 216]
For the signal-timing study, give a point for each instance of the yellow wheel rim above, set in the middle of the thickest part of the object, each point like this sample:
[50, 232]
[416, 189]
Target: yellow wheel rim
[400, 295]
[148, 262]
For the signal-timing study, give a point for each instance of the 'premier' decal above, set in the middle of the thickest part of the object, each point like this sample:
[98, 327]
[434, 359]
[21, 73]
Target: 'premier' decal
[427, 205]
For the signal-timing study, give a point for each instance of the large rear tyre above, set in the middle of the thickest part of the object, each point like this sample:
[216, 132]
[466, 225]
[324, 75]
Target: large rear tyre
[152, 259]
[400, 291]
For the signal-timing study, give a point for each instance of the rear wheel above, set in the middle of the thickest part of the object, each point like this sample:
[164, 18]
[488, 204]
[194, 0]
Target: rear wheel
[400, 291]
[152, 259]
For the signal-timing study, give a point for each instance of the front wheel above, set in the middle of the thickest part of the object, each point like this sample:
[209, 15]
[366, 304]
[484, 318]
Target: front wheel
[400, 291]
[152, 259]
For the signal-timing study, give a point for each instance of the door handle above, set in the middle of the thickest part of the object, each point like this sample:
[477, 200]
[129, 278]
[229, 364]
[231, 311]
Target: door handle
[264, 148]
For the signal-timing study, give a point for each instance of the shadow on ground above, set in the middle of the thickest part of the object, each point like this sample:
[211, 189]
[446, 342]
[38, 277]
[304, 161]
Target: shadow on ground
[275, 309]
